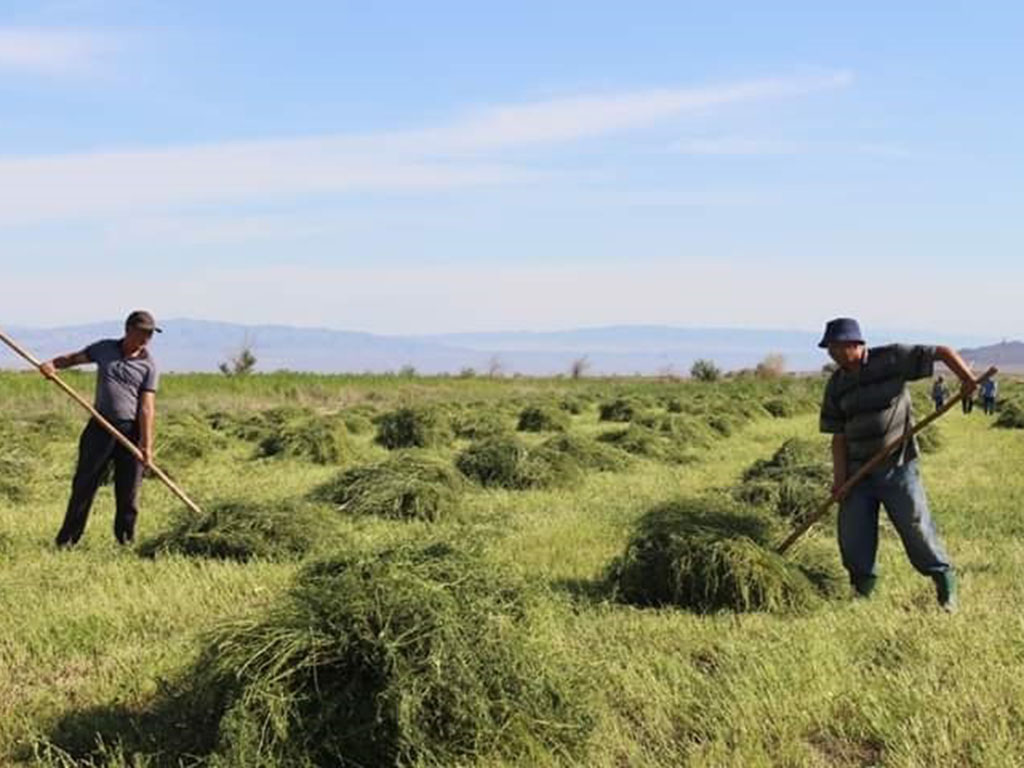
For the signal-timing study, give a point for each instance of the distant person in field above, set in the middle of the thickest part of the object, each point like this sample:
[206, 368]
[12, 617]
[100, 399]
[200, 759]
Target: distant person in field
[989, 390]
[939, 392]
[126, 385]
[865, 407]
[967, 403]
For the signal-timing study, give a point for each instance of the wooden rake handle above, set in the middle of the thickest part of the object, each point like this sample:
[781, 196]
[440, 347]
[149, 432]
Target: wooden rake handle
[128, 444]
[873, 464]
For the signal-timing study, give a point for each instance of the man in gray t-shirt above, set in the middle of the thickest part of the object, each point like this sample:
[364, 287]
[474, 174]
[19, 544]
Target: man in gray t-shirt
[126, 384]
[866, 406]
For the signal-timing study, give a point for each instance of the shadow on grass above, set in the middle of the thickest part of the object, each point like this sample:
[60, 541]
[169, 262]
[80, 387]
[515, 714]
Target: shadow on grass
[173, 731]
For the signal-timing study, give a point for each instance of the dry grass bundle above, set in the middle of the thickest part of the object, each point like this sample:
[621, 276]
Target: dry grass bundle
[321, 440]
[417, 427]
[504, 461]
[644, 441]
[474, 424]
[1011, 415]
[184, 438]
[244, 531]
[541, 418]
[710, 554]
[588, 452]
[793, 482]
[620, 409]
[415, 655]
[408, 485]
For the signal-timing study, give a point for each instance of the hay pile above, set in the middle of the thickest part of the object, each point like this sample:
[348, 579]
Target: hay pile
[620, 409]
[244, 531]
[19, 470]
[183, 439]
[780, 407]
[318, 439]
[408, 485]
[588, 452]
[474, 424]
[542, 418]
[417, 427]
[711, 554]
[415, 655]
[644, 441]
[930, 439]
[793, 482]
[1011, 415]
[504, 461]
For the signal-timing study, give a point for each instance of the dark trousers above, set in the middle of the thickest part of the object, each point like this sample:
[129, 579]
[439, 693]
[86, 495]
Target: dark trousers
[96, 449]
[989, 404]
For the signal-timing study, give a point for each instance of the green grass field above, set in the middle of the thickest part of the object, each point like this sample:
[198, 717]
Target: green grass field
[92, 639]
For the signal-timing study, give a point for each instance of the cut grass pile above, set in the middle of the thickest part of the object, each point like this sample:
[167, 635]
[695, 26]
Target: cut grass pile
[415, 655]
[407, 485]
[588, 452]
[183, 439]
[644, 441]
[1011, 415]
[18, 472]
[710, 553]
[620, 409]
[543, 418]
[416, 427]
[793, 482]
[504, 461]
[318, 439]
[243, 531]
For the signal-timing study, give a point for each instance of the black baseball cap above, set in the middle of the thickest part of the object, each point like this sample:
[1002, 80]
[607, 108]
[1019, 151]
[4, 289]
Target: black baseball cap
[142, 320]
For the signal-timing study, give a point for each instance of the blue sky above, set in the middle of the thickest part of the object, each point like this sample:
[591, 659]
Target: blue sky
[448, 166]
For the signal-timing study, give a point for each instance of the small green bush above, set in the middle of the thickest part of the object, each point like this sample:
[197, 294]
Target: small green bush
[709, 554]
[504, 461]
[705, 370]
[243, 531]
[408, 485]
[417, 427]
[418, 655]
[537, 418]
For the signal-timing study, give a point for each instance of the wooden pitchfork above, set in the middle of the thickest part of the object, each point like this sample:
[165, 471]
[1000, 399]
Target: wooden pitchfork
[128, 444]
[872, 464]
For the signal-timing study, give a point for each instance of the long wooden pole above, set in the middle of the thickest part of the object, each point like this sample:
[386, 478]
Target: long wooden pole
[128, 444]
[872, 465]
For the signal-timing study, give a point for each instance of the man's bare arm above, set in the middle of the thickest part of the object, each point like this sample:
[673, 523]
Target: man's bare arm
[838, 461]
[956, 364]
[147, 425]
[59, 363]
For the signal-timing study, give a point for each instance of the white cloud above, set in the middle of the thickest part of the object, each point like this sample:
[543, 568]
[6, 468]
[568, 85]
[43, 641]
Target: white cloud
[114, 182]
[49, 51]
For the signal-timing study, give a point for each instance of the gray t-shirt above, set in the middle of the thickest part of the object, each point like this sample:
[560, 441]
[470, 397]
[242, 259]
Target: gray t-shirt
[121, 381]
[872, 407]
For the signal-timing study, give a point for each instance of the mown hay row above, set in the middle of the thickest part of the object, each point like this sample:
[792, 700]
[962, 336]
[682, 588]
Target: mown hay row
[408, 485]
[416, 655]
[709, 554]
[504, 461]
[243, 531]
[416, 427]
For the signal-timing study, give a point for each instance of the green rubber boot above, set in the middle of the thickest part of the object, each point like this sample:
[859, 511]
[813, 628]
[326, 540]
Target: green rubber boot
[945, 591]
[864, 585]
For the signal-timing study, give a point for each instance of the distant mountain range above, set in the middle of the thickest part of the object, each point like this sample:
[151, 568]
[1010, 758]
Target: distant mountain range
[200, 345]
[1008, 356]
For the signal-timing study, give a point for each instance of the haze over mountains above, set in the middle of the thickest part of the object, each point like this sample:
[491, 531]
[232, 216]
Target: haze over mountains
[200, 345]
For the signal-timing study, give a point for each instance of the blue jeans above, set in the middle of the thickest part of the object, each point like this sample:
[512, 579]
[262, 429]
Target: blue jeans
[901, 492]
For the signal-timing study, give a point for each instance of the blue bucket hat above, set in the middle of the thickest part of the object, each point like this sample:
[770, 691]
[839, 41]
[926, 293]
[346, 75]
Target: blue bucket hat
[841, 329]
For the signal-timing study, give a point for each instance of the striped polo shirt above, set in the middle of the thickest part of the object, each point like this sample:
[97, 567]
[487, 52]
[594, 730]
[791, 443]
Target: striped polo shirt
[871, 405]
